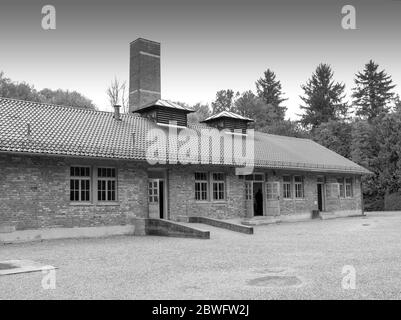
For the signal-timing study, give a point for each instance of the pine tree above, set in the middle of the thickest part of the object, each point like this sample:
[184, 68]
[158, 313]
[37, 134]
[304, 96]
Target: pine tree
[323, 98]
[269, 90]
[372, 94]
[397, 103]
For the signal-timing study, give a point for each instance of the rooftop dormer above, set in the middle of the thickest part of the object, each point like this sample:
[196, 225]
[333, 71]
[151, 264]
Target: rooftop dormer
[163, 112]
[228, 120]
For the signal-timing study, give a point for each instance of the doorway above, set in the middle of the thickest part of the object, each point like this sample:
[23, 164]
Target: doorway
[272, 198]
[258, 199]
[320, 196]
[161, 203]
[157, 194]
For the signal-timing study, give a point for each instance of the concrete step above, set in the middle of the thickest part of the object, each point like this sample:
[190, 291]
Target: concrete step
[258, 221]
[224, 224]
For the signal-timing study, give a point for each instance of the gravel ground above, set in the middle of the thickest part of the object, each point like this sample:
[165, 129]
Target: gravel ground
[301, 260]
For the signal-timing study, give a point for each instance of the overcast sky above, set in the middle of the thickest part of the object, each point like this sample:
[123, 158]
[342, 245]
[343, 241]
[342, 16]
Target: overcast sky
[206, 45]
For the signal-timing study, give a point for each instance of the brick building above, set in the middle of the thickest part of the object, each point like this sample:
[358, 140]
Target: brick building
[73, 167]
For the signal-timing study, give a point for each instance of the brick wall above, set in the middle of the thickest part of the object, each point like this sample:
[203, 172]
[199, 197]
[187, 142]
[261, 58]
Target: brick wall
[182, 194]
[334, 204]
[34, 193]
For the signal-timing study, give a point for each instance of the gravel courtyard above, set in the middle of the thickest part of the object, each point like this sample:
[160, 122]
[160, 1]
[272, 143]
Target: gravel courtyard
[287, 261]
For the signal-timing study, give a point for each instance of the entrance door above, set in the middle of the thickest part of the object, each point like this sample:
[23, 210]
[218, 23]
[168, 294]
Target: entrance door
[249, 199]
[320, 196]
[258, 199]
[156, 198]
[273, 198]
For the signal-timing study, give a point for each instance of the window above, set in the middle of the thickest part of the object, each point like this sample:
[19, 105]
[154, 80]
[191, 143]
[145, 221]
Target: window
[218, 185]
[340, 182]
[153, 190]
[299, 186]
[272, 190]
[201, 186]
[106, 184]
[348, 187]
[248, 190]
[80, 186]
[286, 187]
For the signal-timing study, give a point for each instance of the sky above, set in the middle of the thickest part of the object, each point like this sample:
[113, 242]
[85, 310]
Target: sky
[206, 45]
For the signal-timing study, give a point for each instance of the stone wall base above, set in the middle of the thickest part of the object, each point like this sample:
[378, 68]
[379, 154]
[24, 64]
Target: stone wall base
[65, 233]
[340, 214]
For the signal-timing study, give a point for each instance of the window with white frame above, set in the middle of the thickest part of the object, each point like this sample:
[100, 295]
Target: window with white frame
[106, 184]
[348, 188]
[80, 184]
[153, 191]
[286, 187]
[299, 186]
[201, 189]
[218, 186]
[340, 182]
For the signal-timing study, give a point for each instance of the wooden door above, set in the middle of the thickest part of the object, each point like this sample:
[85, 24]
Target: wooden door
[154, 198]
[273, 198]
[249, 198]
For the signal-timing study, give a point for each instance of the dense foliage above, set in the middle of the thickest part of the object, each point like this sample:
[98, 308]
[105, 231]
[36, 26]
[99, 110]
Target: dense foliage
[25, 91]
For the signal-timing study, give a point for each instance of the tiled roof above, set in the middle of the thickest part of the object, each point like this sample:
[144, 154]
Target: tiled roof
[36, 128]
[166, 104]
[228, 114]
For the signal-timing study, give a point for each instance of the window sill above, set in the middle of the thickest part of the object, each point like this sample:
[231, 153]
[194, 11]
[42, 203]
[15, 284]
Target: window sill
[89, 204]
[79, 204]
[110, 203]
[211, 202]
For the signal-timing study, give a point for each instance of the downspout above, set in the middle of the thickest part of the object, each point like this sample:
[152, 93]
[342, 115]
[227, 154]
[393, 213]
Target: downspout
[362, 200]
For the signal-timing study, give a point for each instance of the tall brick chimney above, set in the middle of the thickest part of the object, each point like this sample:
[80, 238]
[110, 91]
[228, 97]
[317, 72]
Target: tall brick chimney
[144, 73]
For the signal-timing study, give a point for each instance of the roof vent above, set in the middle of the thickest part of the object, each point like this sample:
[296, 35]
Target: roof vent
[165, 112]
[228, 120]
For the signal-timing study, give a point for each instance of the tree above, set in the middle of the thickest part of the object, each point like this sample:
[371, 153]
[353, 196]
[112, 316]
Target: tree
[335, 135]
[117, 94]
[66, 98]
[323, 98]
[364, 151]
[202, 111]
[224, 101]
[249, 105]
[269, 90]
[285, 128]
[372, 94]
[27, 92]
[15, 90]
[397, 103]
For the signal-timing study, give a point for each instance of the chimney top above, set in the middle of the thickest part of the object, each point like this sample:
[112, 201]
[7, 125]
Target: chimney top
[117, 114]
[144, 73]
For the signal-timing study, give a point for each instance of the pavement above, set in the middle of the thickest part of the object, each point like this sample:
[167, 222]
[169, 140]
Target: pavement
[300, 260]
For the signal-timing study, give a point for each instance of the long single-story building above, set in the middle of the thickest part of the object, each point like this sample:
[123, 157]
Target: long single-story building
[73, 167]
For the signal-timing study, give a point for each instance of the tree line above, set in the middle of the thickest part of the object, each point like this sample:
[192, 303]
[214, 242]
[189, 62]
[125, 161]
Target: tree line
[25, 91]
[366, 129]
